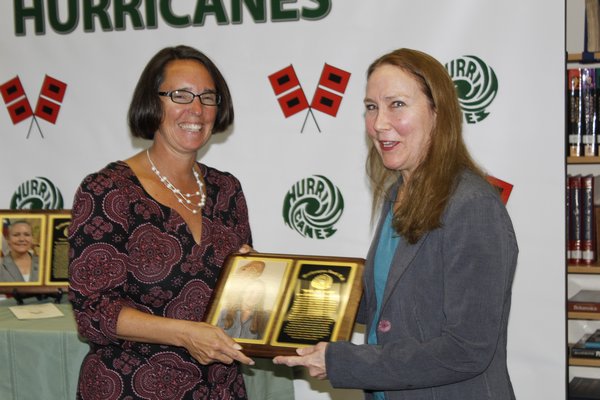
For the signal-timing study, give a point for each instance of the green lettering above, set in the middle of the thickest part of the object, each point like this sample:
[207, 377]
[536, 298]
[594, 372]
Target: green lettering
[256, 9]
[151, 14]
[321, 11]
[471, 72]
[72, 17]
[279, 14]
[99, 11]
[172, 19]
[34, 187]
[22, 13]
[320, 187]
[460, 67]
[204, 7]
[123, 8]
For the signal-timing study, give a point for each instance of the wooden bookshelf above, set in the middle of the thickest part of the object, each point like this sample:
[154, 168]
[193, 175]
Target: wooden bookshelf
[583, 315]
[583, 160]
[583, 57]
[584, 269]
[584, 362]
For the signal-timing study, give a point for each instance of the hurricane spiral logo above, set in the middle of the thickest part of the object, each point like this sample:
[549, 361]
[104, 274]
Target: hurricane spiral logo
[313, 206]
[476, 84]
[37, 194]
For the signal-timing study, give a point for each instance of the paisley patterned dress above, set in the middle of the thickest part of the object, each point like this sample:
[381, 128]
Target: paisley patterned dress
[126, 249]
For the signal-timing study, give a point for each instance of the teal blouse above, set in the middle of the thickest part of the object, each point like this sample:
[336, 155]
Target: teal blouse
[386, 248]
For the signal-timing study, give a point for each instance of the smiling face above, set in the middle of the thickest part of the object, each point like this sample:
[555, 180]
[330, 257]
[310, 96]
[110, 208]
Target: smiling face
[399, 118]
[186, 127]
[20, 238]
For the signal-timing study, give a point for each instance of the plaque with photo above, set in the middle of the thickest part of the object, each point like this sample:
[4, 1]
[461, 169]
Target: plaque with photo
[274, 303]
[22, 249]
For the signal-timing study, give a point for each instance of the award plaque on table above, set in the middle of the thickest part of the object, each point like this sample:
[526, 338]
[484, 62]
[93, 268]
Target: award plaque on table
[28, 228]
[274, 303]
[57, 256]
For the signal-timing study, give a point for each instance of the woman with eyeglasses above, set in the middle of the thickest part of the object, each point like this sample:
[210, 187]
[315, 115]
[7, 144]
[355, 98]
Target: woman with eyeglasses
[148, 238]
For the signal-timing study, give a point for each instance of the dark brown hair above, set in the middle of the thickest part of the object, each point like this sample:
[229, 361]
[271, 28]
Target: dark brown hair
[145, 111]
[427, 192]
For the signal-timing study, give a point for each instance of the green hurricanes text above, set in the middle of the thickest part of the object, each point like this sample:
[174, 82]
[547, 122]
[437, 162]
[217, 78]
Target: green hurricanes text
[113, 15]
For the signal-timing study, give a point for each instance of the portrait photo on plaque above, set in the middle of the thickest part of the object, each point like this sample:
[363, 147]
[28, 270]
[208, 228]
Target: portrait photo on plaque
[252, 288]
[57, 254]
[22, 248]
[275, 303]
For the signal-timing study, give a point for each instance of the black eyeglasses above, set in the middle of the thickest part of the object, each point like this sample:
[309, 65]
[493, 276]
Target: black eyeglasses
[186, 97]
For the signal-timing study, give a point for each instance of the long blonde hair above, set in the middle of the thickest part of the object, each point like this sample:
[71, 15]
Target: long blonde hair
[426, 194]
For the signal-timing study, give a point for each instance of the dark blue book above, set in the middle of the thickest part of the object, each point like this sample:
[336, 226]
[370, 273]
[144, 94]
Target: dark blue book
[593, 342]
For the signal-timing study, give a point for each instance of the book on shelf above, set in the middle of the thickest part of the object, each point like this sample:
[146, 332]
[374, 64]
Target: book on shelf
[588, 223]
[584, 389]
[574, 99]
[578, 350]
[575, 220]
[575, 26]
[586, 300]
[568, 217]
[597, 225]
[593, 341]
[592, 25]
[589, 111]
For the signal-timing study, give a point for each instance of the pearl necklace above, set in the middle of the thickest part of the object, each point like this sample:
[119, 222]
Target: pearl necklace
[182, 198]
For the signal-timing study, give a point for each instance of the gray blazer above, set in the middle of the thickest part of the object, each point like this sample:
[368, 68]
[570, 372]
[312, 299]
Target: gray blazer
[443, 324]
[9, 272]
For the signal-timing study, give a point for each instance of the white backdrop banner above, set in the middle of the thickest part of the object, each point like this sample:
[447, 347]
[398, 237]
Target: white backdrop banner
[296, 69]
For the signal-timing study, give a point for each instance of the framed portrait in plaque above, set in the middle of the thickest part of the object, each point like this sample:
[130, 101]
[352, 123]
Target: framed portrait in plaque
[22, 249]
[57, 250]
[274, 303]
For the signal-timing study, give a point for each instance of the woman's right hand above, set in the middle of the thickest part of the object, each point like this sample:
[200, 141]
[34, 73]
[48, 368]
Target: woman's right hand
[208, 344]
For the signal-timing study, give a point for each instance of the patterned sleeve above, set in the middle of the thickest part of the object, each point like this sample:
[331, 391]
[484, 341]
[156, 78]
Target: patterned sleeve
[230, 207]
[241, 211]
[97, 258]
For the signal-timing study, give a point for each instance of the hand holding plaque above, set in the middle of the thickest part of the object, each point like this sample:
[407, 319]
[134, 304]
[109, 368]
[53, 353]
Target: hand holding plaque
[274, 303]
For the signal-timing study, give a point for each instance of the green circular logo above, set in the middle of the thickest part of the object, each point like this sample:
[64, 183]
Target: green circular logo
[476, 85]
[37, 194]
[313, 206]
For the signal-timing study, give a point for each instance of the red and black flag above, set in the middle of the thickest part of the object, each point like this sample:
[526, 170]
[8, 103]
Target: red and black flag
[16, 101]
[294, 100]
[326, 101]
[51, 95]
[335, 80]
[504, 188]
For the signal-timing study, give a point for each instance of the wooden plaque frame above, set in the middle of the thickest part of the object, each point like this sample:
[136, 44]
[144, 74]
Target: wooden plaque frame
[302, 300]
[47, 234]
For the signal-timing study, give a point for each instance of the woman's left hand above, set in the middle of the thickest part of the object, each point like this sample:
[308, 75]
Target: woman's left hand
[312, 357]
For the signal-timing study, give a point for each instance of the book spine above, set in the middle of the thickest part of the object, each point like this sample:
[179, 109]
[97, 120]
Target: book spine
[575, 219]
[588, 226]
[568, 216]
[597, 110]
[590, 341]
[574, 112]
[583, 307]
[585, 353]
[592, 26]
[588, 102]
